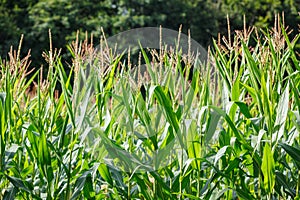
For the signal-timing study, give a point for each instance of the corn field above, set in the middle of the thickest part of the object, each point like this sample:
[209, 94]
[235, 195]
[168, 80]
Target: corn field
[227, 128]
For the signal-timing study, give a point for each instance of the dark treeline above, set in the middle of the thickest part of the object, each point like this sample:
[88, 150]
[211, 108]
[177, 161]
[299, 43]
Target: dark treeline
[205, 19]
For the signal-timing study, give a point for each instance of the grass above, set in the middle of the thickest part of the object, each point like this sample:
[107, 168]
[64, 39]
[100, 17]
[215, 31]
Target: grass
[101, 138]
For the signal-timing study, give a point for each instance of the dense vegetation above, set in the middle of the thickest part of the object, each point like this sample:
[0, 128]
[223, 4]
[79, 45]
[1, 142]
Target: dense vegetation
[205, 19]
[237, 138]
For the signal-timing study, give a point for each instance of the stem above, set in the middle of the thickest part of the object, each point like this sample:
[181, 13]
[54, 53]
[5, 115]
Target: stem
[69, 174]
[180, 178]
[298, 184]
[129, 189]
[198, 183]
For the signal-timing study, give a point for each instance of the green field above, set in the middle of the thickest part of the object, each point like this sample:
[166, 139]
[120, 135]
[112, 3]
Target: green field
[229, 131]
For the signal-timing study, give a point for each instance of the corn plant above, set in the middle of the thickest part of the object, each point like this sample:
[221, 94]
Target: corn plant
[224, 129]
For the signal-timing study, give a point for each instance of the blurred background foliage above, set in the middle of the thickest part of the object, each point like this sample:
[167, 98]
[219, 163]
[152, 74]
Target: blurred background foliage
[205, 19]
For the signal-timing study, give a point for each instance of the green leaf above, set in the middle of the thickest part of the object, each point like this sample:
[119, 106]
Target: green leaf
[244, 194]
[148, 65]
[243, 109]
[18, 183]
[213, 123]
[235, 90]
[170, 114]
[282, 112]
[293, 152]
[268, 168]
[79, 184]
[282, 180]
[283, 106]
[220, 154]
[237, 134]
[233, 164]
[105, 174]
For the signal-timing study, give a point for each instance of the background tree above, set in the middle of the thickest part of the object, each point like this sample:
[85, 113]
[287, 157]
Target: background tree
[205, 19]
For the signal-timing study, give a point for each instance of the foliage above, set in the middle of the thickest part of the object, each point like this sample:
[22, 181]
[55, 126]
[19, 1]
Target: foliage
[205, 19]
[239, 140]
